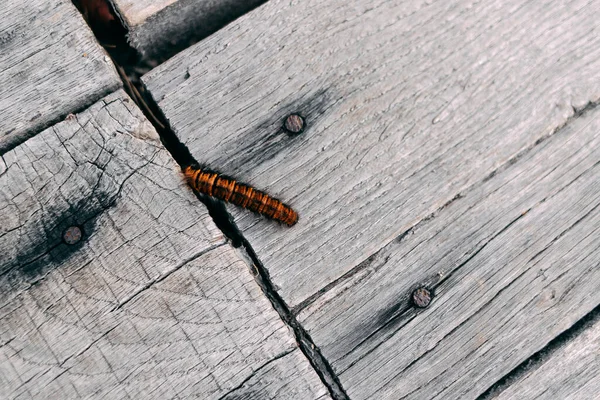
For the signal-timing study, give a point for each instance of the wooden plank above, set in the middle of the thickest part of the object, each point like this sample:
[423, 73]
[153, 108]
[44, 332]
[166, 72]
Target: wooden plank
[407, 104]
[157, 28]
[153, 302]
[51, 66]
[276, 380]
[571, 372]
[513, 263]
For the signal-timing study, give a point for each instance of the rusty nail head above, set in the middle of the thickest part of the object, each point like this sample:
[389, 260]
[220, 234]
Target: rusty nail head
[72, 235]
[421, 297]
[294, 123]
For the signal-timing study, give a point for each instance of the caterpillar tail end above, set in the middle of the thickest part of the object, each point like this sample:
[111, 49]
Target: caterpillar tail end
[291, 219]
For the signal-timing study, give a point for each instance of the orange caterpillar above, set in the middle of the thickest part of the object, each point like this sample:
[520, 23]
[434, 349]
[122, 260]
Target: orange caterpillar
[240, 194]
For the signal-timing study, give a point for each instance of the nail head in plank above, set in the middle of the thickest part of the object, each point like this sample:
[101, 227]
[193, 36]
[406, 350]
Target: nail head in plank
[152, 301]
[51, 66]
[158, 28]
[406, 105]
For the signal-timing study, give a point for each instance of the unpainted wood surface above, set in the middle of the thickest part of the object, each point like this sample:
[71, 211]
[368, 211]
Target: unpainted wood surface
[280, 378]
[50, 66]
[572, 372]
[158, 27]
[137, 11]
[512, 263]
[407, 104]
[153, 303]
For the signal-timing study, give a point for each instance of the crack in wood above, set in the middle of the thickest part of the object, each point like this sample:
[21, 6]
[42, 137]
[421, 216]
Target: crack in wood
[305, 342]
[254, 372]
[162, 277]
[538, 358]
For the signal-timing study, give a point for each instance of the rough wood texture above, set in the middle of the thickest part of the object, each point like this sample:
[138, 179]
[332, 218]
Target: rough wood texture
[407, 104]
[572, 372]
[50, 66]
[513, 262]
[153, 303]
[158, 28]
[282, 377]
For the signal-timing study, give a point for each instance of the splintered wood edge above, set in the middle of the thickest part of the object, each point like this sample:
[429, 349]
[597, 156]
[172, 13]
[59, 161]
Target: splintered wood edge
[155, 27]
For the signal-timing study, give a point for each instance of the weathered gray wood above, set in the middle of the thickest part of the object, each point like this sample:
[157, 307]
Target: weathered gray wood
[572, 372]
[50, 66]
[276, 380]
[514, 262]
[407, 104]
[153, 303]
[157, 27]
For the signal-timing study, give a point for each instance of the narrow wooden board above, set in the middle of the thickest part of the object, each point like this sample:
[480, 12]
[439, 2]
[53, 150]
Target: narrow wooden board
[407, 104]
[51, 66]
[158, 27]
[513, 263]
[153, 303]
[572, 372]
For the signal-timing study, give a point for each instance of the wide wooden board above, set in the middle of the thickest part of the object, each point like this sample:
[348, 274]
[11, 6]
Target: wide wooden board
[512, 262]
[50, 66]
[570, 372]
[153, 302]
[407, 104]
[158, 27]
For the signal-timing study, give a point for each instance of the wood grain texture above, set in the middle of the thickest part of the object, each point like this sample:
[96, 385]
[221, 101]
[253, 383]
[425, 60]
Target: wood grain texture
[281, 381]
[407, 104]
[157, 28]
[572, 372]
[513, 263]
[153, 303]
[51, 66]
